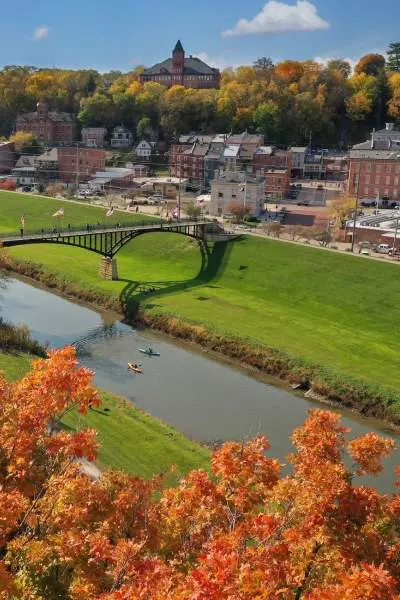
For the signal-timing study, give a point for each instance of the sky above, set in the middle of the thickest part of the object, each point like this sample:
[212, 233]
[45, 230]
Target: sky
[120, 35]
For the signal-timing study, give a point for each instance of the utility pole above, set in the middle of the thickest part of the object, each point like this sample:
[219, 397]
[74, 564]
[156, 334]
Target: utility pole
[356, 208]
[179, 193]
[77, 173]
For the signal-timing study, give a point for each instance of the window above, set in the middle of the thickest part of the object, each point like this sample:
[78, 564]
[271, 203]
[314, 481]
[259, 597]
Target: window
[388, 168]
[220, 195]
[233, 195]
[376, 192]
[377, 180]
[366, 191]
[378, 168]
[387, 181]
[396, 181]
[367, 179]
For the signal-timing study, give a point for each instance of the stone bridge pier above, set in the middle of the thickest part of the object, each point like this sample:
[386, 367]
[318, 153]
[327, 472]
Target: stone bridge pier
[108, 268]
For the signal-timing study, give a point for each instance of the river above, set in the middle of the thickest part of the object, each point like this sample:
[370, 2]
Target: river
[204, 398]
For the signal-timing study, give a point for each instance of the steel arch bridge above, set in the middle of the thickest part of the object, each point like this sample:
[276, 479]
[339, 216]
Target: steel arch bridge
[108, 241]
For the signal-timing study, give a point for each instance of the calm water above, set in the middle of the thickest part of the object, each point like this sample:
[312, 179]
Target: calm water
[203, 398]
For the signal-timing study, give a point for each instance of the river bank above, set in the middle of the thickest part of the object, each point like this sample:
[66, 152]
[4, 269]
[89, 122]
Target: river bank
[316, 381]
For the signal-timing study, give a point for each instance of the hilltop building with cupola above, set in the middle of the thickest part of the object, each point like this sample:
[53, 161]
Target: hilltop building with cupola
[189, 71]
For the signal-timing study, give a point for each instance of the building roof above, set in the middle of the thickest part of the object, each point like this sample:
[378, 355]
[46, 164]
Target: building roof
[178, 47]
[375, 154]
[231, 151]
[94, 130]
[299, 149]
[244, 137]
[48, 156]
[192, 66]
[26, 160]
[267, 150]
[197, 149]
[53, 115]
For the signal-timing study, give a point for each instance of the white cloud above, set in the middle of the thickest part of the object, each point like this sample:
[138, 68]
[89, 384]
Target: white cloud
[40, 33]
[277, 17]
[325, 59]
[218, 61]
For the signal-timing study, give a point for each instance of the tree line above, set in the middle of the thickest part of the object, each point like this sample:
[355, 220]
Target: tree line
[288, 102]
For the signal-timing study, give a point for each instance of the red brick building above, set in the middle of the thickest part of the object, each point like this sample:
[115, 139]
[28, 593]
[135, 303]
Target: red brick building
[180, 70]
[267, 157]
[374, 171]
[275, 166]
[51, 127]
[78, 165]
[8, 157]
[190, 164]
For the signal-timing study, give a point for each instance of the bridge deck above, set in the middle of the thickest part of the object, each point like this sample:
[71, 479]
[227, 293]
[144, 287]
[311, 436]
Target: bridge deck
[9, 240]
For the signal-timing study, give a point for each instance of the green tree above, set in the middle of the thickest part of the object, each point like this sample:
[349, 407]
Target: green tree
[143, 127]
[393, 61]
[267, 119]
[192, 210]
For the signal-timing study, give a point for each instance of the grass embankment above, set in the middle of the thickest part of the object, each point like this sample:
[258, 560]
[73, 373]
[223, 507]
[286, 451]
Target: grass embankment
[130, 439]
[38, 211]
[333, 310]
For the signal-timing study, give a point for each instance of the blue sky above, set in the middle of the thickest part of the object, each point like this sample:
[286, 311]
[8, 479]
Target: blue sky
[118, 35]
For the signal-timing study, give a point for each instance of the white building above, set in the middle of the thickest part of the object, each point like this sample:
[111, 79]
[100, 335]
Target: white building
[121, 137]
[231, 187]
[93, 137]
[143, 149]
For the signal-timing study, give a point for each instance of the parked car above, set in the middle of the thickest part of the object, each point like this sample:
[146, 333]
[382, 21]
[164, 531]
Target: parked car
[383, 249]
[299, 186]
[303, 203]
[320, 186]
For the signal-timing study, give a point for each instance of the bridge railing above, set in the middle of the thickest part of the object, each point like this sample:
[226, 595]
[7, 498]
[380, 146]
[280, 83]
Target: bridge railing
[97, 227]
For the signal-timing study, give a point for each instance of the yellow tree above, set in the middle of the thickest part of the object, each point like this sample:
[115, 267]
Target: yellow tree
[340, 208]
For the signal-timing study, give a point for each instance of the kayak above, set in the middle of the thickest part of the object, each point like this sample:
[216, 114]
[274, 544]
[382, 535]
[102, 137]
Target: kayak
[134, 369]
[148, 352]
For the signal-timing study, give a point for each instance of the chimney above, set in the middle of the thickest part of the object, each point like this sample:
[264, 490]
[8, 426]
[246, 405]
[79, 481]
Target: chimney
[389, 126]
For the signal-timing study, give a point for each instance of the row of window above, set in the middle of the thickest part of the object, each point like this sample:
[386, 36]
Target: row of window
[387, 168]
[378, 193]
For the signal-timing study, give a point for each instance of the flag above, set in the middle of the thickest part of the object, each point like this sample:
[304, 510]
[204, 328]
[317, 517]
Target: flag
[23, 221]
[110, 212]
[59, 213]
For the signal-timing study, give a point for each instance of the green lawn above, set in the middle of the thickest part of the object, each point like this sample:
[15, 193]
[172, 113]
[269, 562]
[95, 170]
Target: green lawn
[38, 212]
[334, 309]
[130, 439]
[14, 366]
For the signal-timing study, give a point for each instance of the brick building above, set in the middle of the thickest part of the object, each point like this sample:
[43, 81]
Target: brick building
[180, 70]
[190, 164]
[374, 171]
[8, 157]
[275, 166]
[78, 165]
[277, 183]
[50, 127]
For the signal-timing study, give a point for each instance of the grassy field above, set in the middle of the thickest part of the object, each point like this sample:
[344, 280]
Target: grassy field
[337, 310]
[38, 212]
[130, 439]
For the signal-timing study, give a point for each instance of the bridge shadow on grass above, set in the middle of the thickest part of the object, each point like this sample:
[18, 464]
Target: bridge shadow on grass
[214, 259]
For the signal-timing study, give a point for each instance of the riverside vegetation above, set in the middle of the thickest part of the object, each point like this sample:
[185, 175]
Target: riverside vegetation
[315, 318]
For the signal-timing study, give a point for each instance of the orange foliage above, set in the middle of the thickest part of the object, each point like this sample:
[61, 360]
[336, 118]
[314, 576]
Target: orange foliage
[244, 531]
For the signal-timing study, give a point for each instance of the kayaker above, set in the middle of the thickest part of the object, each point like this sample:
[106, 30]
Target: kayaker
[150, 350]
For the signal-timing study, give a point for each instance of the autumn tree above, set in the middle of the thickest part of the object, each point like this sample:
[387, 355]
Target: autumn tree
[192, 210]
[340, 209]
[244, 530]
[238, 210]
[370, 64]
[25, 143]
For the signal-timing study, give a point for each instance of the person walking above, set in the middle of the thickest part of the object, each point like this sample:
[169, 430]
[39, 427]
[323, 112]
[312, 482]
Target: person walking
[22, 225]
